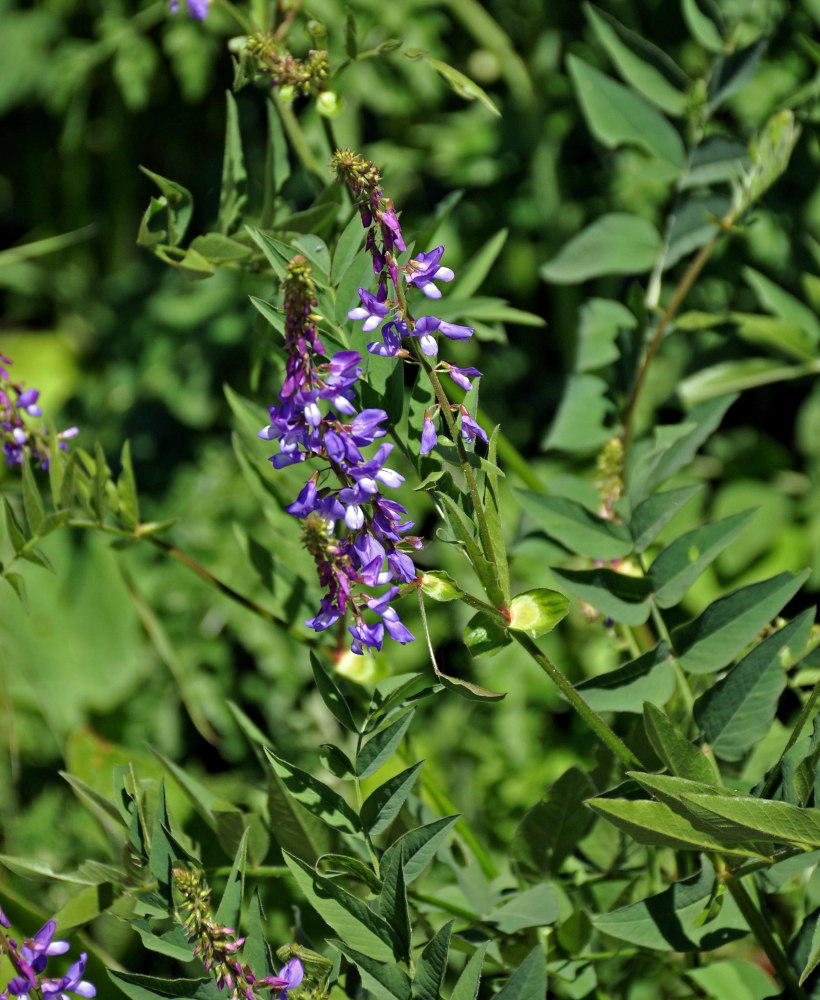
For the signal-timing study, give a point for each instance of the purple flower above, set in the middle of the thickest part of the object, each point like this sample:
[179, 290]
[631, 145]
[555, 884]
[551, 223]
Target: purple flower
[37, 949]
[423, 270]
[454, 331]
[391, 336]
[196, 8]
[289, 977]
[469, 428]
[4, 920]
[395, 629]
[327, 616]
[429, 438]
[72, 982]
[369, 636]
[372, 310]
[459, 376]
[27, 401]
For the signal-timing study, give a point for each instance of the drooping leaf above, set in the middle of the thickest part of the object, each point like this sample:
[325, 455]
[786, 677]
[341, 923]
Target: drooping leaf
[615, 243]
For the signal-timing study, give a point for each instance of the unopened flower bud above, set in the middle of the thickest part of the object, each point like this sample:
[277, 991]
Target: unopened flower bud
[329, 104]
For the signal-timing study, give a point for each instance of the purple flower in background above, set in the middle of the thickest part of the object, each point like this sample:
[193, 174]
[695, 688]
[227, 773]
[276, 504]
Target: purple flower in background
[423, 270]
[372, 310]
[19, 438]
[197, 9]
[27, 401]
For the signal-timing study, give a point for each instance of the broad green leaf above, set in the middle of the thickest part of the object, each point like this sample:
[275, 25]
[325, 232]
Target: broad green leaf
[575, 527]
[740, 980]
[782, 303]
[393, 901]
[533, 907]
[644, 66]
[382, 806]
[615, 595]
[760, 818]
[599, 323]
[617, 116]
[468, 982]
[276, 253]
[351, 918]
[230, 905]
[331, 695]
[232, 195]
[382, 745]
[311, 220]
[669, 921]
[538, 611]
[293, 825]
[676, 568]
[529, 980]
[775, 334]
[173, 943]
[419, 846]
[650, 677]
[677, 753]
[694, 225]
[316, 251]
[615, 243]
[703, 28]
[737, 711]
[732, 72]
[716, 159]
[316, 797]
[385, 980]
[737, 376]
[342, 864]
[650, 517]
[219, 249]
[656, 824]
[270, 313]
[32, 501]
[336, 761]
[100, 804]
[468, 690]
[581, 422]
[669, 788]
[730, 623]
[432, 965]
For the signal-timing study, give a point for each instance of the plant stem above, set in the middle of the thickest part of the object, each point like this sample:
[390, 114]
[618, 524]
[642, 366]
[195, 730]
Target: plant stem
[592, 719]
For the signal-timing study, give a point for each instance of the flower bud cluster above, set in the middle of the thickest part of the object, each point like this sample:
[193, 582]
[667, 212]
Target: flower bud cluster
[316, 418]
[273, 60]
[20, 438]
[29, 961]
[388, 311]
[217, 945]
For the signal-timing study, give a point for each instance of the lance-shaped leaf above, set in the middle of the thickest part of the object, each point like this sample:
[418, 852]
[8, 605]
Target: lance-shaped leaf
[677, 567]
[342, 864]
[616, 243]
[139, 987]
[385, 980]
[230, 905]
[315, 796]
[178, 205]
[746, 815]
[534, 907]
[382, 806]
[649, 678]
[538, 611]
[737, 711]
[670, 790]
[468, 982]
[529, 980]
[256, 950]
[419, 846]
[393, 900]
[432, 965]
[783, 304]
[382, 745]
[680, 756]
[582, 422]
[575, 527]
[331, 695]
[615, 595]
[32, 501]
[351, 918]
[671, 920]
[725, 627]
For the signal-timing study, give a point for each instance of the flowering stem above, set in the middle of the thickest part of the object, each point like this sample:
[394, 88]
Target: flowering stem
[592, 719]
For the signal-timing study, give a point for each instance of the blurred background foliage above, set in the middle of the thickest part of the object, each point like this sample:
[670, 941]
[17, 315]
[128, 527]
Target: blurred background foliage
[122, 648]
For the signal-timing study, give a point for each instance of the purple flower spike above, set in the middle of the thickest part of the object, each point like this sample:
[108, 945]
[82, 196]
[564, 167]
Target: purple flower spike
[35, 950]
[372, 310]
[423, 270]
[429, 438]
[391, 336]
[290, 976]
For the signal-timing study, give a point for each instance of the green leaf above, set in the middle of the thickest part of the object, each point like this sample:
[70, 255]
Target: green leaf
[677, 753]
[600, 322]
[32, 501]
[67, 484]
[18, 584]
[256, 949]
[393, 901]
[775, 334]
[669, 921]
[230, 905]
[127, 498]
[472, 274]
[529, 980]
[780, 302]
[177, 203]
[139, 987]
[419, 846]
[484, 636]
[233, 193]
[746, 815]
[342, 864]
[734, 978]
[813, 958]
[738, 711]
[16, 536]
[383, 804]
[650, 677]
[219, 249]
[617, 116]
[492, 514]
[347, 246]
[351, 918]
[313, 795]
[386, 981]
[468, 982]
[486, 571]
[440, 586]
[382, 745]
[173, 943]
[332, 697]
[461, 84]
[538, 611]
[581, 421]
[730, 623]
[650, 517]
[732, 72]
[575, 527]
[276, 253]
[534, 907]
[676, 568]
[615, 243]
[655, 823]
[735, 377]
[615, 595]
[432, 965]
[702, 27]
[644, 66]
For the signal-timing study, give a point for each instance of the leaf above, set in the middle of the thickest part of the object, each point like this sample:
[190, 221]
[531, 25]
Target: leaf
[313, 795]
[492, 516]
[655, 823]
[173, 943]
[644, 66]
[461, 84]
[440, 586]
[484, 636]
[382, 745]
[734, 978]
[669, 921]
[486, 571]
[178, 205]
[219, 249]
[715, 160]
[738, 711]
[581, 421]
[780, 302]
[419, 846]
[351, 918]
[650, 677]
[677, 753]
[702, 27]
[735, 377]
[534, 907]
[732, 72]
[617, 116]
[233, 193]
[230, 905]
[432, 965]
[127, 499]
[334, 700]
[472, 274]
[575, 527]
[616, 243]
[529, 980]
[615, 595]
[18, 584]
[341, 864]
[16, 536]
[393, 901]
[676, 568]
[730, 623]
[468, 982]
[347, 246]
[537, 612]
[139, 987]
[386, 981]
[383, 804]
[600, 321]
[32, 501]
[775, 334]
[650, 517]
[762, 818]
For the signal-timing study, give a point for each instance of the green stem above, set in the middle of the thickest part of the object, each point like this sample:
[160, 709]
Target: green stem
[765, 938]
[592, 719]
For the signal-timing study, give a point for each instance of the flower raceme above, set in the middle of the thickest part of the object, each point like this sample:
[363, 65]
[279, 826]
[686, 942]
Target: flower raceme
[30, 960]
[19, 437]
[357, 537]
